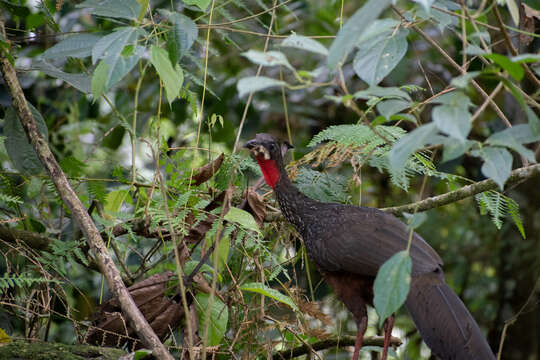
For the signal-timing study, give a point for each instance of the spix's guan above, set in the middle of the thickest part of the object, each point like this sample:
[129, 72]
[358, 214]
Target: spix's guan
[349, 244]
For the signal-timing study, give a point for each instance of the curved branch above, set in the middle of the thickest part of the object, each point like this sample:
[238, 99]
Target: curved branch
[330, 343]
[89, 229]
[516, 176]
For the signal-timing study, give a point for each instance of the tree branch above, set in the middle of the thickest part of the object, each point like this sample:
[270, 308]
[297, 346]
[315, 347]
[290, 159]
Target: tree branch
[516, 176]
[89, 229]
[330, 343]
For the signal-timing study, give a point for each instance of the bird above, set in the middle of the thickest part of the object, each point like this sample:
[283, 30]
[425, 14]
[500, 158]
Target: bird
[348, 245]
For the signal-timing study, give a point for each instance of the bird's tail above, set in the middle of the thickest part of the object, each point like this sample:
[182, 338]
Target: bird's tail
[444, 322]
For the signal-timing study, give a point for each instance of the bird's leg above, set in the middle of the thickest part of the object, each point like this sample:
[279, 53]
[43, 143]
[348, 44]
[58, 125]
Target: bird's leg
[361, 329]
[387, 326]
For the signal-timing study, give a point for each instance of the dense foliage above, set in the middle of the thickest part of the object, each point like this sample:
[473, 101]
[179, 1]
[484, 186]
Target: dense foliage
[145, 105]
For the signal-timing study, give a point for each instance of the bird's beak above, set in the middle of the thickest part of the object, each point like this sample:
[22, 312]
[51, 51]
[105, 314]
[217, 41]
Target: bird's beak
[257, 149]
[251, 144]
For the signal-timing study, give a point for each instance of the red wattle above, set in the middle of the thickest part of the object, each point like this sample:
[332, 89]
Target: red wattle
[270, 171]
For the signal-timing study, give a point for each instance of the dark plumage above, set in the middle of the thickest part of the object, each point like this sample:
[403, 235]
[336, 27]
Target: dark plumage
[349, 244]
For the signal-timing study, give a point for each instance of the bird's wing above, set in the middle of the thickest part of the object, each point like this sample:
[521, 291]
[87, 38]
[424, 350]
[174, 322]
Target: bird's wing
[360, 240]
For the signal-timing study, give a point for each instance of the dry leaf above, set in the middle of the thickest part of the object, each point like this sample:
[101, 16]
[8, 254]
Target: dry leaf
[162, 313]
[205, 172]
[256, 206]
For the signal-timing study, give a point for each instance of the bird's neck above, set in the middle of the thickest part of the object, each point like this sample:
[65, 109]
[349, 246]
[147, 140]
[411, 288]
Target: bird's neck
[292, 202]
[271, 171]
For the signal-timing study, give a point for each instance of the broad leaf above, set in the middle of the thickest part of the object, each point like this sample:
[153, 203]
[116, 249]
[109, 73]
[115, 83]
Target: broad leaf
[181, 36]
[453, 116]
[514, 69]
[20, 151]
[377, 57]
[115, 199]
[99, 79]
[81, 82]
[269, 58]
[348, 35]
[305, 43]
[125, 9]
[514, 137]
[390, 107]
[76, 46]
[120, 52]
[426, 4]
[392, 285]
[382, 92]
[453, 149]
[172, 77]
[202, 4]
[256, 83]
[242, 218]
[269, 292]
[408, 144]
[463, 80]
[497, 163]
[113, 44]
[216, 322]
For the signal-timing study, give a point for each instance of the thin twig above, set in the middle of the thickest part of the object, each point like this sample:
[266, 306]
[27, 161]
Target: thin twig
[331, 343]
[516, 176]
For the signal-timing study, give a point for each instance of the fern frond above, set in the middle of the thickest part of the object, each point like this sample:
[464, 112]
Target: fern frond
[97, 190]
[10, 199]
[322, 186]
[513, 210]
[498, 205]
[358, 135]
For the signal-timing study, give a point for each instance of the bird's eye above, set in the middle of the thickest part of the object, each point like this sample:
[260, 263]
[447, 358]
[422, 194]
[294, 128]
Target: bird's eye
[272, 146]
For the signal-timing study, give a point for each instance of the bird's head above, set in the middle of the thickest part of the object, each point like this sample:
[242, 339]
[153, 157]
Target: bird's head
[269, 152]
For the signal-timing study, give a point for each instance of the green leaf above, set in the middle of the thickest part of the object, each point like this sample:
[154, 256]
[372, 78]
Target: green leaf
[202, 4]
[453, 116]
[219, 317]
[113, 44]
[534, 121]
[172, 78]
[415, 220]
[392, 285]
[426, 4]
[256, 83]
[99, 79]
[223, 252]
[463, 80]
[115, 199]
[377, 57]
[76, 46]
[348, 35]
[260, 288]
[513, 10]
[120, 52]
[453, 149]
[269, 58]
[181, 36]
[390, 107]
[408, 144]
[382, 92]
[514, 137]
[525, 58]
[497, 163]
[304, 43]
[514, 69]
[124, 9]
[81, 82]
[242, 218]
[20, 151]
